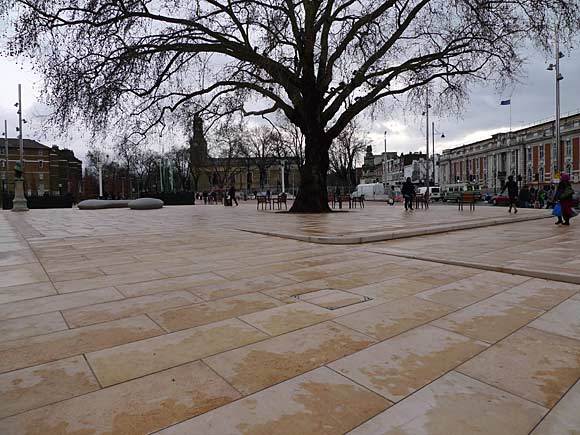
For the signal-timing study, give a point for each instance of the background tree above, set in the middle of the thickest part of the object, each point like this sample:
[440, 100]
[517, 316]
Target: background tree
[261, 146]
[345, 151]
[321, 63]
[181, 158]
[225, 148]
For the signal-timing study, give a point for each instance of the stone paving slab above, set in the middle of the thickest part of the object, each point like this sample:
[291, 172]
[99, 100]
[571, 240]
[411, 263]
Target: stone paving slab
[319, 402]
[182, 285]
[456, 404]
[564, 417]
[33, 387]
[138, 407]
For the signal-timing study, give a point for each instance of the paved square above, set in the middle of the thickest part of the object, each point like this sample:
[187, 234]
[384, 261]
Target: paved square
[187, 320]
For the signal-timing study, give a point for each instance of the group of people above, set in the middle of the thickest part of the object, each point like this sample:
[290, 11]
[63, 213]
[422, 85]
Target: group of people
[559, 198]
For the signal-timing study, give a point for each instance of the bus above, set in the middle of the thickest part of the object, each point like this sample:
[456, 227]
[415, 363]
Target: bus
[453, 192]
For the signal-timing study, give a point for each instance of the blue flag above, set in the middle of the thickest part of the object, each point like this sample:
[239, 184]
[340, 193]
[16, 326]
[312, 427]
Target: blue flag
[506, 102]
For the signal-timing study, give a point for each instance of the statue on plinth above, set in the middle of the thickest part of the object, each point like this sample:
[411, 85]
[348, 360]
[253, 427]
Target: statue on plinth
[18, 171]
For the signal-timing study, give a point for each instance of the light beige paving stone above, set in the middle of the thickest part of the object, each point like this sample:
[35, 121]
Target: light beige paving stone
[30, 326]
[290, 317]
[564, 418]
[33, 387]
[58, 302]
[456, 404]
[530, 363]
[164, 285]
[392, 318]
[506, 279]
[26, 291]
[22, 274]
[288, 292]
[126, 308]
[226, 288]
[189, 269]
[337, 299]
[200, 314]
[489, 320]
[133, 408]
[401, 365]
[462, 293]
[260, 365]
[540, 293]
[130, 361]
[69, 275]
[63, 344]
[320, 402]
[393, 288]
[563, 320]
[78, 285]
[20, 256]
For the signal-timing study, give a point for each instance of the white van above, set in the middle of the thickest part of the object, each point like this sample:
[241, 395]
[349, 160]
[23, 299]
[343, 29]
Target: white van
[434, 192]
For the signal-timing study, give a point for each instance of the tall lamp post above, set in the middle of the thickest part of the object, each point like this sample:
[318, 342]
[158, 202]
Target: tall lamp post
[426, 113]
[433, 145]
[19, 203]
[556, 68]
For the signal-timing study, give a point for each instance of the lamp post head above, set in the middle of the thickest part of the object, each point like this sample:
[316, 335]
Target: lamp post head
[550, 67]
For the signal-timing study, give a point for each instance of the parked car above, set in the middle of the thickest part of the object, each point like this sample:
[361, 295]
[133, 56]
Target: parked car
[453, 192]
[434, 192]
[499, 200]
[486, 196]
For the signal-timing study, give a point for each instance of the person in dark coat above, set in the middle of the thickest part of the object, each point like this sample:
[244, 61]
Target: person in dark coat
[564, 194]
[525, 197]
[232, 193]
[408, 191]
[512, 188]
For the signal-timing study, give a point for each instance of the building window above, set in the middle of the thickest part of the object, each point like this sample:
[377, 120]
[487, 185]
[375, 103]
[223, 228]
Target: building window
[569, 168]
[40, 164]
[542, 174]
[541, 151]
[3, 164]
[530, 175]
[40, 152]
[568, 148]
[529, 154]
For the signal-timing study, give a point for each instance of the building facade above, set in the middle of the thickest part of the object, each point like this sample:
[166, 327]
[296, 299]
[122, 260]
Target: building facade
[46, 170]
[529, 154]
[413, 166]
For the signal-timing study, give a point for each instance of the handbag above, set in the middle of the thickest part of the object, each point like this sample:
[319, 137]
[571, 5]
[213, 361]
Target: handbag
[557, 211]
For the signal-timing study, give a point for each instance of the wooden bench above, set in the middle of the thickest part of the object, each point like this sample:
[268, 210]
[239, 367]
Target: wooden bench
[358, 200]
[263, 200]
[279, 200]
[467, 198]
[421, 200]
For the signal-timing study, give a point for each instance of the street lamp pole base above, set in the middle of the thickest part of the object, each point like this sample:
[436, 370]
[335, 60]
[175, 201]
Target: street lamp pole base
[19, 203]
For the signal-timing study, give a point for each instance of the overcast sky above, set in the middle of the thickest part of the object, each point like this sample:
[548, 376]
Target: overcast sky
[532, 101]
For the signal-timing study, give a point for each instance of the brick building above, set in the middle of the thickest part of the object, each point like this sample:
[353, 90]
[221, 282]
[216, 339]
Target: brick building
[46, 170]
[528, 152]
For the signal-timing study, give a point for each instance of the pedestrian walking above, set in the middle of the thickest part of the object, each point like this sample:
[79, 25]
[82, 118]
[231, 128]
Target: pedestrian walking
[232, 193]
[564, 195]
[512, 188]
[408, 191]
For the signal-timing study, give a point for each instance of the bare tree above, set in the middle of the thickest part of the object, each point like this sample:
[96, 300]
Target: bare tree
[181, 158]
[346, 149]
[225, 148]
[260, 146]
[319, 62]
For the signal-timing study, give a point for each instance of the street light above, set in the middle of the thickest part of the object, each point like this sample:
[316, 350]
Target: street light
[556, 68]
[19, 203]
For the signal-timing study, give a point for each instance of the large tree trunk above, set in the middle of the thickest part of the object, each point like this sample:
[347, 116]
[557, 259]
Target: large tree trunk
[312, 196]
